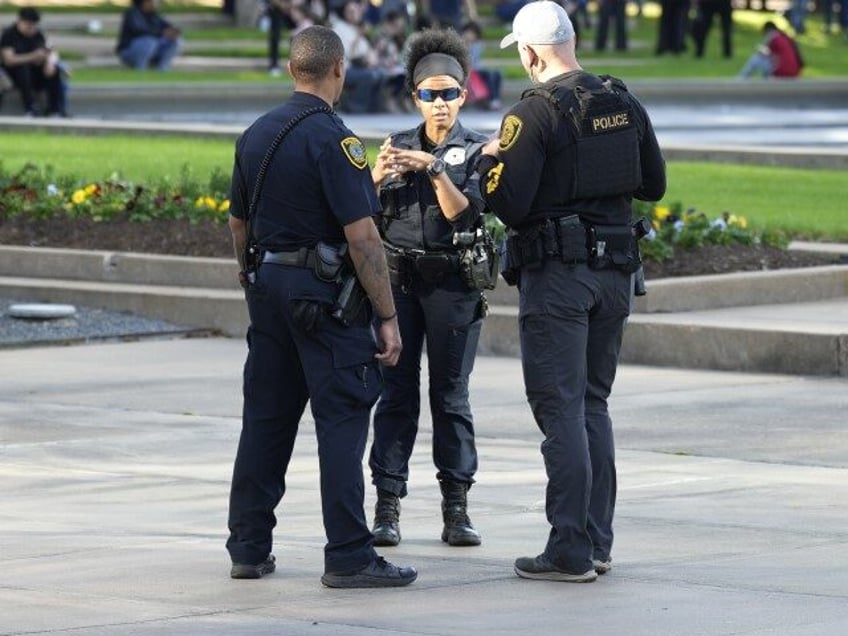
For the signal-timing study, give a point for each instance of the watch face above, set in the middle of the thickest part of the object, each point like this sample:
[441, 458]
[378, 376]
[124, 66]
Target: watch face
[437, 167]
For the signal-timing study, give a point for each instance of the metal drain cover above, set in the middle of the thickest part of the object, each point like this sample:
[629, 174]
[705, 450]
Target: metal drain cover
[41, 311]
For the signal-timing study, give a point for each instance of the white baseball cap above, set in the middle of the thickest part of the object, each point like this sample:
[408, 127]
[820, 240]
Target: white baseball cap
[540, 22]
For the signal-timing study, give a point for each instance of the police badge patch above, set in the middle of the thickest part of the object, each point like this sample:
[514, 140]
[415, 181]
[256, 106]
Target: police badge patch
[355, 152]
[510, 129]
[455, 157]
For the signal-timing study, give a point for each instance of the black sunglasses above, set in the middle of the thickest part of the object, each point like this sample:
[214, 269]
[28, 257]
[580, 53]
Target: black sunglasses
[431, 94]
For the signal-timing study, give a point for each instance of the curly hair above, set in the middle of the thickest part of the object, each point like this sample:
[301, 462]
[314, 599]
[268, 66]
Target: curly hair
[445, 41]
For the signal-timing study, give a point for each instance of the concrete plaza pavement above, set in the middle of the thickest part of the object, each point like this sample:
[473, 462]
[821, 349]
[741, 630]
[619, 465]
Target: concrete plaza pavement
[732, 514]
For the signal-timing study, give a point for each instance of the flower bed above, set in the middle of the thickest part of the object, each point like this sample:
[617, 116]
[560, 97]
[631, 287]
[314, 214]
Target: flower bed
[188, 218]
[37, 193]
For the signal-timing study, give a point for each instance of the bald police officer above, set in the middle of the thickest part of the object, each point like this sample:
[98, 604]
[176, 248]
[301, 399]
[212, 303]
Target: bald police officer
[316, 205]
[571, 156]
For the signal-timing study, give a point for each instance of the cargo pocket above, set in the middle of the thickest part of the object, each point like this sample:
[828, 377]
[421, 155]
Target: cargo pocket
[462, 347]
[358, 375]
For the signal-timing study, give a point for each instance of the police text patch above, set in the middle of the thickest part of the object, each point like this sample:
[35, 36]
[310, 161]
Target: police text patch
[355, 152]
[612, 121]
[510, 129]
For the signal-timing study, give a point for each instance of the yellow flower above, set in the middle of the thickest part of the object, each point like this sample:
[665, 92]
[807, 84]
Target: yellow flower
[738, 221]
[206, 202]
[91, 189]
[225, 206]
[661, 212]
[78, 197]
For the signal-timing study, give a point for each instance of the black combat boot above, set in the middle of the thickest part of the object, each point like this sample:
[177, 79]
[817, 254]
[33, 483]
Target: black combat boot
[386, 519]
[458, 529]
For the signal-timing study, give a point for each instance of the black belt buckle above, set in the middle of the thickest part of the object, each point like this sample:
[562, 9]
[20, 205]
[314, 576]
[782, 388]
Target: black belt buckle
[396, 260]
[433, 267]
[300, 258]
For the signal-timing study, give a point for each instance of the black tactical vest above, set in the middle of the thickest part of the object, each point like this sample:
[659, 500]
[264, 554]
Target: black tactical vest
[605, 135]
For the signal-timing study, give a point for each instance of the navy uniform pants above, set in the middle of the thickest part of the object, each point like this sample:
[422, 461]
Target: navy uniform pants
[448, 316]
[334, 368]
[571, 324]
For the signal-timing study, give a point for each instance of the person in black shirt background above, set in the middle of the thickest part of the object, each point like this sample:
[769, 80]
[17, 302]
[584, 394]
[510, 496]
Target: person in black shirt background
[32, 65]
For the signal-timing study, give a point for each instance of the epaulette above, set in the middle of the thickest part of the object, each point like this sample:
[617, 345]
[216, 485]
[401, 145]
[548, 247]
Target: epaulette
[614, 81]
[546, 93]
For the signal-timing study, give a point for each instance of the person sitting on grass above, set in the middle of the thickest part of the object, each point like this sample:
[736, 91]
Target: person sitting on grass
[472, 34]
[777, 56]
[32, 66]
[147, 40]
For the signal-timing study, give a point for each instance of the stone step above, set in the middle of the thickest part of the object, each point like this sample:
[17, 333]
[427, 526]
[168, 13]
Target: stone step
[223, 311]
[800, 339]
[126, 268]
[788, 321]
[691, 293]
[81, 22]
[694, 293]
[702, 340]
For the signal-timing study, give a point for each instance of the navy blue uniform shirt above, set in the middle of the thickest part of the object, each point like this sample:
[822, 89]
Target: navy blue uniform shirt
[317, 182]
[414, 219]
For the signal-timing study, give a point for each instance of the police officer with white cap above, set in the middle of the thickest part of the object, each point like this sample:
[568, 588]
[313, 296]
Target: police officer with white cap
[571, 156]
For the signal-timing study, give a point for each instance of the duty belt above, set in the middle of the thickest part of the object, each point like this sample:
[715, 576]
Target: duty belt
[421, 260]
[304, 257]
[430, 266]
[562, 237]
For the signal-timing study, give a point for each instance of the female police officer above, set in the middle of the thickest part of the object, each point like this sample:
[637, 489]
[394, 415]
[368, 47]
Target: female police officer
[431, 200]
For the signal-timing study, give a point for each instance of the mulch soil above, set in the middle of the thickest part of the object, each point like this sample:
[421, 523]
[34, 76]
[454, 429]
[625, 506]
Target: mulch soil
[213, 239]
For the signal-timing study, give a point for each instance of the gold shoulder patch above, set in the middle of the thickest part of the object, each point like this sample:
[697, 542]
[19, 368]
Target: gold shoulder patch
[510, 129]
[493, 178]
[355, 152]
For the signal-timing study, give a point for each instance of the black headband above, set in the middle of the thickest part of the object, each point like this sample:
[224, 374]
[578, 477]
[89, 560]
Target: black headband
[434, 64]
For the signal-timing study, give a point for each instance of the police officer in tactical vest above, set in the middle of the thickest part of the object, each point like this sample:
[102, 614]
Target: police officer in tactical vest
[571, 156]
[301, 219]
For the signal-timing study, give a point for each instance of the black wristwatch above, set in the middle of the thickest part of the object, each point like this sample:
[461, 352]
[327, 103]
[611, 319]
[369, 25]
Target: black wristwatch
[436, 168]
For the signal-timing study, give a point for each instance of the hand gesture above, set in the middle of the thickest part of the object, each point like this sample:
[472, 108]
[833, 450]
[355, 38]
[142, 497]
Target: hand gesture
[404, 161]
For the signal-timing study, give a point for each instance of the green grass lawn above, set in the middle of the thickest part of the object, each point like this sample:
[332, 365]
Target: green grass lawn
[825, 55]
[807, 203]
[804, 202]
[133, 157]
[125, 75]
